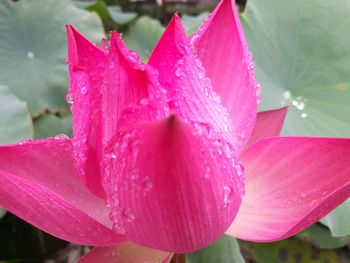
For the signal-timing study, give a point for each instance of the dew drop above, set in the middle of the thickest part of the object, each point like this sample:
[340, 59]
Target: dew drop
[200, 75]
[300, 106]
[147, 184]
[119, 228]
[30, 55]
[128, 215]
[207, 172]
[227, 195]
[144, 101]
[258, 93]
[178, 72]
[287, 95]
[69, 98]
[61, 136]
[83, 90]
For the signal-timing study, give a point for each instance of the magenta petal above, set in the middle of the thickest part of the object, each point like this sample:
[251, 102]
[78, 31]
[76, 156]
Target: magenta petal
[291, 182]
[189, 90]
[222, 48]
[268, 124]
[38, 183]
[86, 73]
[128, 83]
[171, 187]
[126, 253]
[102, 86]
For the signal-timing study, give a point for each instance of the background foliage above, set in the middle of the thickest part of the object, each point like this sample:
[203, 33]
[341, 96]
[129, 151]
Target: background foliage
[302, 59]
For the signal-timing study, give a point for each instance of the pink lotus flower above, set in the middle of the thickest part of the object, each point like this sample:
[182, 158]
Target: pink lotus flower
[170, 155]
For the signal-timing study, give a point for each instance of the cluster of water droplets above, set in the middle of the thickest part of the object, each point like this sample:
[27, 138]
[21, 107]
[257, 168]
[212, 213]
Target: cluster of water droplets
[120, 172]
[196, 36]
[249, 64]
[298, 102]
[200, 103]
[220, 159]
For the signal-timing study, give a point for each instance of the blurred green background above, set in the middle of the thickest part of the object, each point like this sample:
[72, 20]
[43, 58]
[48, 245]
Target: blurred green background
[302, 60]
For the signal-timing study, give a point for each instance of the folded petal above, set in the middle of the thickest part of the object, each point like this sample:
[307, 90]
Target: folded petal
[86, 72]
[223, 50]
[128, 253]
[127, 84]
[102, 85]
[291, 182]
[170, 186]
[189, 91]
[38, 183]
[268, 124]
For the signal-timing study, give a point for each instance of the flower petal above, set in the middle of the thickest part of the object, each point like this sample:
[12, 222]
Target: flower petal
[190, 92]
[223, 50]
[86, 71]
[291, 182]
[102, 85]
[268, 124]
[128, 83]
[128, 253]
[171, 187]
[38, 183]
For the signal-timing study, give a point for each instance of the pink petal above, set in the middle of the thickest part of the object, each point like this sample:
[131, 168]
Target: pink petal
[38, 183]
[222, 48]
[291, 182]
[127, 83]
[126, 253]
[86, 71]
[102, 86]
[268, 124]
[171, 187]
[190, 92]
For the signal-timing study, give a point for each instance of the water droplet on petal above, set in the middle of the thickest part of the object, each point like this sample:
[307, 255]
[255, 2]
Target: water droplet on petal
[258, 93]
[147, 184]
[83, 90]
[69, 98]
[128, 215]
[178, 72]
[61, 136]
[227, 195]
[207, 172]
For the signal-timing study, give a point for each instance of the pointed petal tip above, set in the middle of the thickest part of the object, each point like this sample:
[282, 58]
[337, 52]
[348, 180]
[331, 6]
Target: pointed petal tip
[172, 120]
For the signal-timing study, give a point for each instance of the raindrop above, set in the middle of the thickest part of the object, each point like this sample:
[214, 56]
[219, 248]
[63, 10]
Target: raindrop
[207, 172]
[61, 136]
[119, 228]
[258, 93]
[30, 55]
[304, 115]
[144, 101]
[83, 90]
[128, 215]
[147, 184]
[287, 95]
[69, 98]
[227, 195]
[178, 72]
[200, 75]
[300, 106]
